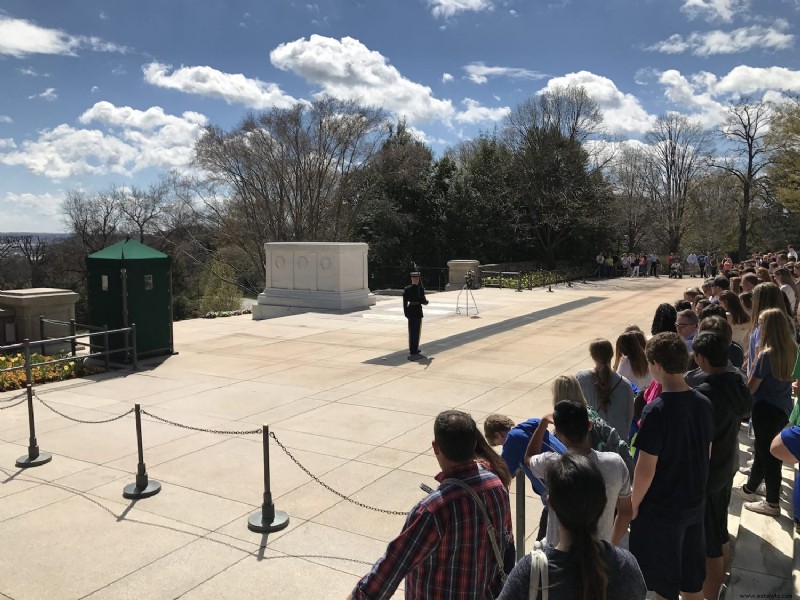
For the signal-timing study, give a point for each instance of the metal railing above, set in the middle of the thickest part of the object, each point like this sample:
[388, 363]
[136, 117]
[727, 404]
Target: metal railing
[29, 364]
[528, 280]
[396, 278]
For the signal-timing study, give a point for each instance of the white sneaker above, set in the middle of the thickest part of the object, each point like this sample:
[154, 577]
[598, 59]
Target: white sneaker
[761, 491]
[763, 507]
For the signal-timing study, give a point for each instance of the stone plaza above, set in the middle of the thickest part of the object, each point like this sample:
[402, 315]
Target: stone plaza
[338, 393]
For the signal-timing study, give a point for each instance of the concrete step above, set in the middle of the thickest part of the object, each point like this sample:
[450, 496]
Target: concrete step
[764, 548]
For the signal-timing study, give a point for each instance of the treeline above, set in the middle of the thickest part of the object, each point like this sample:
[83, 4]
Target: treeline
[548, 185]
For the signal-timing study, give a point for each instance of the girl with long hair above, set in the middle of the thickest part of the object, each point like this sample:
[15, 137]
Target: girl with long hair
[631, 361]
[770, 382]
[485, 454]
[607, 392]
[785, 281]
[580, 566]
[737, 317]
[765, 296]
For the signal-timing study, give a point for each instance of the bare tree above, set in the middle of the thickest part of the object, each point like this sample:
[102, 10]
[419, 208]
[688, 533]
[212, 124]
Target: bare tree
[678, 155]
[34, 251]
[569, 110]
[94, 218]
[631, 197]
[142, 208]
[745, 130]
[293, 174]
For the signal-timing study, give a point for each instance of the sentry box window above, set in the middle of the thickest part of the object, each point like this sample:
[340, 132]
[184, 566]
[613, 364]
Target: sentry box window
[148, 282]
[104, 282]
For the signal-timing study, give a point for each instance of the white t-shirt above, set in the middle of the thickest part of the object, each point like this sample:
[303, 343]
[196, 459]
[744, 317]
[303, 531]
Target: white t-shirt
[789, 293]
[626, 371]
[618, 485]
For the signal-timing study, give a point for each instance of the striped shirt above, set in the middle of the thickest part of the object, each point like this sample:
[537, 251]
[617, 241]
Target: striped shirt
[444, 551]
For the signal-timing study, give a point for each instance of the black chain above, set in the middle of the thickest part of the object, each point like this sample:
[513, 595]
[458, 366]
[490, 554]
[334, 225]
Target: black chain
[85, 421]
[13, 405]
[329, 488]
[22, 395]
[203, 429]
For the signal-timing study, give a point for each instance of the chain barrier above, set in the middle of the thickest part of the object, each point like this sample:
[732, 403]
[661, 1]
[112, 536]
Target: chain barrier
[329, 488]
[85, 421]
[13, 405]
[22, 395]
[224, 432]
[203, 429]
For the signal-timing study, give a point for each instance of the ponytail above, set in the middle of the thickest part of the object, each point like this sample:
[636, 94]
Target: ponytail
[586, 551]
[577, 497]
[602, 352]
[496, 464]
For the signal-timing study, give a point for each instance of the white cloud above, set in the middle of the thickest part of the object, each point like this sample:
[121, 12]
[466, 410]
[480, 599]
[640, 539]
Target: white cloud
[449, 8]
[130, 140]
[19, 38]
[233, 88]
[695, 96]
[7, 143]
[475, 113]
[31, 72]
[6, 119]
[94, 89]
[347, 69]
[65, 152]
[479, 73]
[40, 204]
[723, 10]
[745, 80]
[49, 94]
[103, 15]
[623, 114]
[705, 96]
[446, 77]
[728, 42]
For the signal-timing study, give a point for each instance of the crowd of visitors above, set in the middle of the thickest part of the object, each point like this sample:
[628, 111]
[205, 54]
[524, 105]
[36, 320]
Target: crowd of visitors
[642, 455]
[695, 264]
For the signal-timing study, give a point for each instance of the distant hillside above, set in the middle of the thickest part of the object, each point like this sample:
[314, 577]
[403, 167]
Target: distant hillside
[49, 237]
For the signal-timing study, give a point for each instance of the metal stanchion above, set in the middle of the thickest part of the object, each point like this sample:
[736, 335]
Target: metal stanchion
[34, 458]
[519, 531]
[134, 354]
[73, 342]
[143, 487]
[267, 519]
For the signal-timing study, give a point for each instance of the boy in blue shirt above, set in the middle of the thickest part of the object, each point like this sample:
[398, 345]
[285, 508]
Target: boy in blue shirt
[500, 430]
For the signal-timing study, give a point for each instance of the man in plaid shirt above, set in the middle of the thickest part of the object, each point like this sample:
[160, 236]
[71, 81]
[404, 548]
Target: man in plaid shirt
[444, 550]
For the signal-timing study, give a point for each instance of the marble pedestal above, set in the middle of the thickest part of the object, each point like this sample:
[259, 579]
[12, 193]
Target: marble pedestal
[29, 304]
[458, 270]
[313, 276]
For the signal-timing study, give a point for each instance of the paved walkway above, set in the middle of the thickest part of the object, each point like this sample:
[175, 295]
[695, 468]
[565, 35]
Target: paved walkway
[337, 390]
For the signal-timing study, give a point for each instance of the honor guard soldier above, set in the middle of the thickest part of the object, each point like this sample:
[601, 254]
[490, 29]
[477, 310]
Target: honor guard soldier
[413, 299]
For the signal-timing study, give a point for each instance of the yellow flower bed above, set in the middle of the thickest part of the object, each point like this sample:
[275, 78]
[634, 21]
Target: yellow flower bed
[15, 380]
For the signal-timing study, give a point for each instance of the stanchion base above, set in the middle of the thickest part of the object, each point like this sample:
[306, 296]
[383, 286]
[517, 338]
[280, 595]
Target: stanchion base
[256, 524]
[24, 462]
[131, 492]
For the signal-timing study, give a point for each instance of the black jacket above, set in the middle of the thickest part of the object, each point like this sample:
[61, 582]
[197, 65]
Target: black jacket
[413, 299]
[731, 401]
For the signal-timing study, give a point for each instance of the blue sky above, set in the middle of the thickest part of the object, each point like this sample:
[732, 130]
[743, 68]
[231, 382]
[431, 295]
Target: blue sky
[97, 93]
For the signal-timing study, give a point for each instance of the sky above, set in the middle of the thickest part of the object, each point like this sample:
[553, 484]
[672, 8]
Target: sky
[96, 93]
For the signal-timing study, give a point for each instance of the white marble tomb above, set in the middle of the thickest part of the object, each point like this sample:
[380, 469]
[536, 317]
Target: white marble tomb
[314, 276]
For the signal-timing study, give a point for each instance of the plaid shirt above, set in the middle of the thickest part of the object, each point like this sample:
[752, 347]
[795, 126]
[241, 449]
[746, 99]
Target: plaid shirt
[444, 551]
